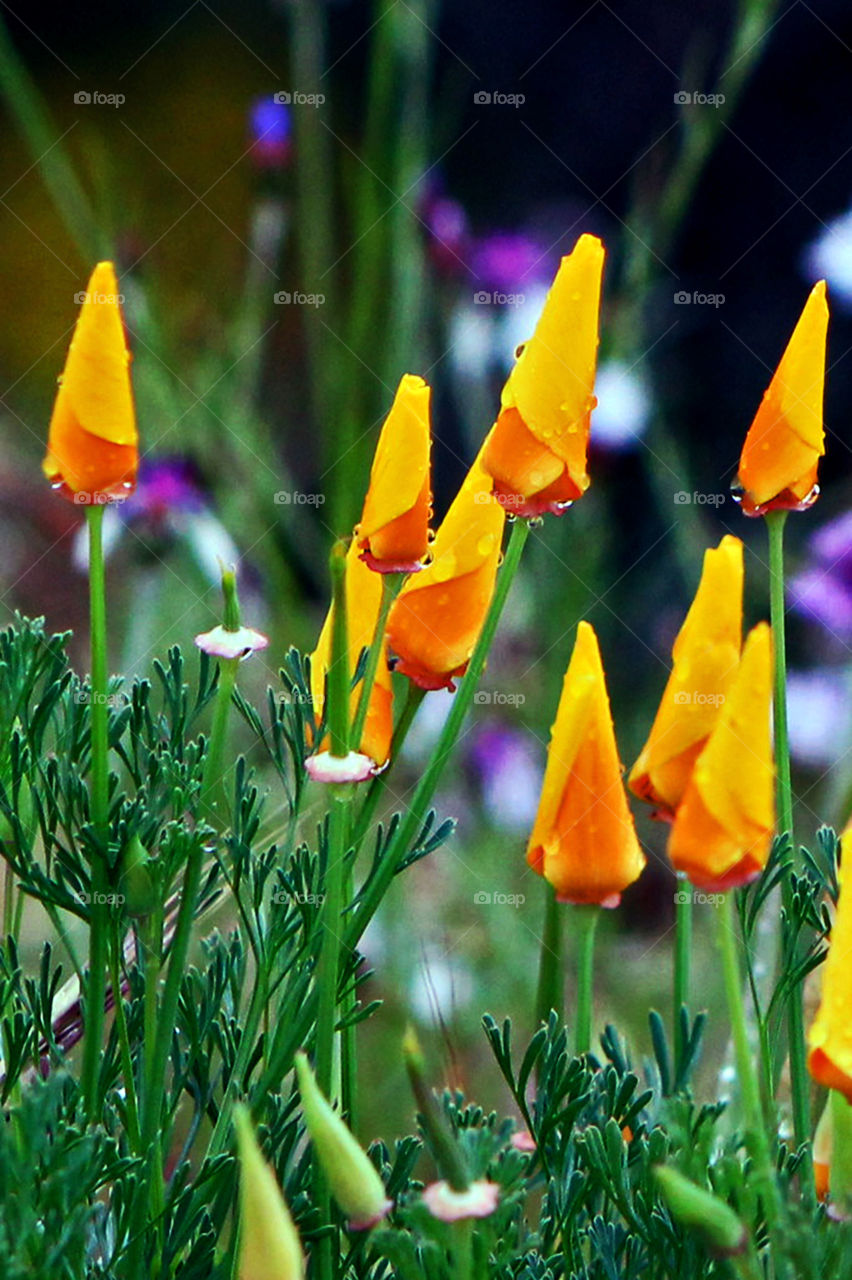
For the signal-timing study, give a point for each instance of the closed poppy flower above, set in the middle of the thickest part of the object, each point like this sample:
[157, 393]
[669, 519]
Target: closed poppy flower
[393, 532]
[363, 601]
[830, 1036]
[435, 622]
[705, 657]
[536, 453]
[268, 1242]
[583, 841]
[723, 828]
[92, 444]
[778, 466]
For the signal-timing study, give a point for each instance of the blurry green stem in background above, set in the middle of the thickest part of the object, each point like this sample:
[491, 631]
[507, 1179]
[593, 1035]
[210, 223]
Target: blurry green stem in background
[550, 977]
[585, 921]
[682, 961]
[99, 721]
[410, 826]
[799, 1079]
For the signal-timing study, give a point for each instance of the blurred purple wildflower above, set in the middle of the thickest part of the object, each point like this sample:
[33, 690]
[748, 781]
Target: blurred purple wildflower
[510, 261]
[509, 773]
[270, 130]
[823, 591]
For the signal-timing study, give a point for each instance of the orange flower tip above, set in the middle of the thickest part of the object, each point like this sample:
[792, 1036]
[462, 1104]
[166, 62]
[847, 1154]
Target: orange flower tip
[744, 872]
[827, 1073]
[524, 1142]
[821, 1174]
[389, 566]
[786, 500]
[479, 1200]
[354, 767]
[426, 679]
[221, 643]
[534, 505]
[610, 902]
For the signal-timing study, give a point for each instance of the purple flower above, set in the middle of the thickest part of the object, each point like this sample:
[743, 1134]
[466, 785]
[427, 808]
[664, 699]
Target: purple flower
[823, 591]
[270, 130]
[165, 486]
[509, 261]
[509, 773]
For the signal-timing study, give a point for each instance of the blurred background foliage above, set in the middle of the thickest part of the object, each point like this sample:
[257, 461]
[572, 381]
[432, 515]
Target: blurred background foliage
[399, 200]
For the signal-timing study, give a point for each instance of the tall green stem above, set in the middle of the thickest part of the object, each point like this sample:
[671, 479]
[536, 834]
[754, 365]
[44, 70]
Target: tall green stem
[799, 1082]
[550, 976]
[682, 962]
[726, 932]
[411, 823]
[99, 720]
[586, 922]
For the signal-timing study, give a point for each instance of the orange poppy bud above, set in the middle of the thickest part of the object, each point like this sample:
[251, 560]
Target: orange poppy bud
[436, 619]
[92, 445]
[822, 1151]
[778, 466]
[723, 828]
[705, 656]
[363, 602]
[393, 533]
[583, 841]
[536, 453]
[830, 1036]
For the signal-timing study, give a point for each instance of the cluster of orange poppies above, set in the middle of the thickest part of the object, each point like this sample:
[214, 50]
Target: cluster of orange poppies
[707, 765]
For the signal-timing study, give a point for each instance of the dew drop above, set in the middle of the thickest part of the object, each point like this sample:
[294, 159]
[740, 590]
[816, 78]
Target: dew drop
[520, 349]
[485, 545]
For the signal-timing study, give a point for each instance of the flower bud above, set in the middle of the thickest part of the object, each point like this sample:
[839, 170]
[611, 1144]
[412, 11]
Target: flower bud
[700, 1211]
[137, 883]
[269, 1243]
[352, 1177]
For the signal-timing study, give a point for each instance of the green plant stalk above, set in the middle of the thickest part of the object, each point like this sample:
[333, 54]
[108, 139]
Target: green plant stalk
[391, 585]
[379, 785]
[463, 1249]
[411, 823]
[726, 933]
[682, 962]
[328, 965]
[799, 1082]
[133, 1130]
[99, 720]
[586, 922]
[550, 976]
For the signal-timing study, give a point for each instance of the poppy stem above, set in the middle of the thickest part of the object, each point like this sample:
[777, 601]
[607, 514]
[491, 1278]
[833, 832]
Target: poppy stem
[550, 978]
[410, 825]
[682, 963]
[799, 1083]
[756, 1137]
[391, 584]
[99, 721]
[586, 921]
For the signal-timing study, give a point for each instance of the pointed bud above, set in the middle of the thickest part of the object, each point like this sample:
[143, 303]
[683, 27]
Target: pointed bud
[448, 1155]
[231, 640]
[700, 1211]
[269, 1243]
[137, 882]
[352, 1176]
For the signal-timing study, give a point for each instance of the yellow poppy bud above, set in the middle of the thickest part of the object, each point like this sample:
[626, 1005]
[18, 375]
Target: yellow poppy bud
[393, 533]
[92, 445]
[583, 841]
[830, 1036]
[269, 1243]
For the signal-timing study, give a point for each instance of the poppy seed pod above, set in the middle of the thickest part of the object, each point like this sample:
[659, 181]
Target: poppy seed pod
[269, 1243]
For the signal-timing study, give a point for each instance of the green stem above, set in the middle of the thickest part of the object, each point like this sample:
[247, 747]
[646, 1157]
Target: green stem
[726, 932]
[799, 1082]
[411, 823]
[550, 977]
[586, 921]
[463, 1235]
[391, 584]
[99, 720]
[682, 962]
[124, 1041]
[379, 784]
